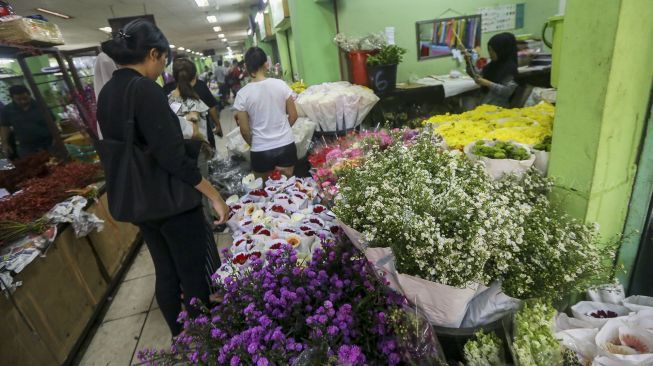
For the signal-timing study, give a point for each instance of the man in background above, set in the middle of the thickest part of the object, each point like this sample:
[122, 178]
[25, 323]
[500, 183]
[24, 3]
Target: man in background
[220, 73]
[30, 129]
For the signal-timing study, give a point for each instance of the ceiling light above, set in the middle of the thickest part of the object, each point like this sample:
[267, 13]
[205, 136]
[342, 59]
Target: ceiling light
[106, 29]
[202, 3]
[212, 18]
[53, 13]
[221, 35]
[217, 29]
[172, 46]
[224, 40]
[181, 49]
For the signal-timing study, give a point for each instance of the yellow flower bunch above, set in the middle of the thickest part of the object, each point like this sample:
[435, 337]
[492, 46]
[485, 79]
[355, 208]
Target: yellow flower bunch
[298, 87]
[528, 125]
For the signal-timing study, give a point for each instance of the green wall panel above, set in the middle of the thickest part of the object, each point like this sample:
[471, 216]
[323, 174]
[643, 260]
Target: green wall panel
[361, 17]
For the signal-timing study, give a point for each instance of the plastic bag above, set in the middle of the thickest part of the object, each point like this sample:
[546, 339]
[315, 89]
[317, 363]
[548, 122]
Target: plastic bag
[583, 309]
[541, 161]
[609, 293]
[489, 305]
[638, 303]
[496, 168]
[581, 341]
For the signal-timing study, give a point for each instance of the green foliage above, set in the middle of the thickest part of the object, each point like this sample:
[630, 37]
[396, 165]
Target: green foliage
[389, 55]
[501, 150]
[544, 145]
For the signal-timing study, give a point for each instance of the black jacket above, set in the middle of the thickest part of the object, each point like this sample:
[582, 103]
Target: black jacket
[157, 126]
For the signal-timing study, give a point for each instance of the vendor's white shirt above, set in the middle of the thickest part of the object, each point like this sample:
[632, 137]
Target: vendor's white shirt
[265, 103]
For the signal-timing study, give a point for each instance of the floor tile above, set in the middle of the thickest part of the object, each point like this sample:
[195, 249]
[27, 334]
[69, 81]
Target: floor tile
[114, 342]
[133, 297]
[156, 334]
[142, 266]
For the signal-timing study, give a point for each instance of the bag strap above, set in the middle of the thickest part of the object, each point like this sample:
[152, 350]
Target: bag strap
[130, 105]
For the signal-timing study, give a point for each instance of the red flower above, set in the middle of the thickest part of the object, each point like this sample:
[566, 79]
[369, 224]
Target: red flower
[240, 258]
[259, 193]
[255, 255]
[276, 175]
[275, 246]
[278, 208]
[265, 232]
[258, 228]
[319, 209]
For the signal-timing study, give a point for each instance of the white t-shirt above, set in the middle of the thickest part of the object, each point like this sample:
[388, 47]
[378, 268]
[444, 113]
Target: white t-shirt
[265, 103]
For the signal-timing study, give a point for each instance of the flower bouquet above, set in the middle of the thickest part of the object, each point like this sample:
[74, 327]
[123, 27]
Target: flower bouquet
[501, 158]
[447, 223]
[529, 125]
[541, 151]
[328, 310]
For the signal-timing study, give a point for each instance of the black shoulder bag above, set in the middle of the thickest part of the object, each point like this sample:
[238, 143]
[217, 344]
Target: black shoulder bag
[138, 188]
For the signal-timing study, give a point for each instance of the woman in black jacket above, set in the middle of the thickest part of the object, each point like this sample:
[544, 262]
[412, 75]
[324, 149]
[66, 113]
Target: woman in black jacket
[179, 244]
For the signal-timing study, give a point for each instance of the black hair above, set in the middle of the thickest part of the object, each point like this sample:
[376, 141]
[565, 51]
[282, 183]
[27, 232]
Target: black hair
[18, 90]
[132, 44]
[505, 46]
[184, 71]
[255, 58]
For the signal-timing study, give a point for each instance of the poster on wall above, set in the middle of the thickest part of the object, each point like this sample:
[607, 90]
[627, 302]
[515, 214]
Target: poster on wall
[502, 17]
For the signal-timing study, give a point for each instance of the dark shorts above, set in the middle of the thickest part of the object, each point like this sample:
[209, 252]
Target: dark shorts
[266, 161]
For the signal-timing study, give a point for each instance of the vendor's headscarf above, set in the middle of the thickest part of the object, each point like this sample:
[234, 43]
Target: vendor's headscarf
[505, 46]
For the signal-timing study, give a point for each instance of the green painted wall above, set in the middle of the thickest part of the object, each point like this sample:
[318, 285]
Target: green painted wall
[293, 54]
[284, 55]
[361, 17]
[313, 27]
[603, 94]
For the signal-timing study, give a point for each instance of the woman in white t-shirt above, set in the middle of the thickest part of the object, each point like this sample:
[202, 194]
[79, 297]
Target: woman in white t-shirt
[266, 113]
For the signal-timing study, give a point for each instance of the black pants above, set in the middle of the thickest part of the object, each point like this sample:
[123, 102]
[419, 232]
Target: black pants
[185, 256]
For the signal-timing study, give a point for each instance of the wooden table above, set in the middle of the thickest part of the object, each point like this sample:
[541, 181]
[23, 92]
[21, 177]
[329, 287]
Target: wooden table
[46, 318]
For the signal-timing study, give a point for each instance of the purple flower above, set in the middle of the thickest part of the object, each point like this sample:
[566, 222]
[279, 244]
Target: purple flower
[235, 360]
[262, 362]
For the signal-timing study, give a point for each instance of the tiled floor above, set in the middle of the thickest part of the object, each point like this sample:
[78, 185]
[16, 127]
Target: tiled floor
[133, 320]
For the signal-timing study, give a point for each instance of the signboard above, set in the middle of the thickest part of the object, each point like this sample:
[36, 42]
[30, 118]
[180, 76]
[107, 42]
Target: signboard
[502, 17]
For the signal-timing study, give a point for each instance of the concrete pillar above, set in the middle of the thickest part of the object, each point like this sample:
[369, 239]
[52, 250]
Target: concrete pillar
[603, 94]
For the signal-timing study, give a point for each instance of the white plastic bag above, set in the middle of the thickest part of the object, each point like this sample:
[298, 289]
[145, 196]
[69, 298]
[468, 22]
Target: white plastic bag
[583, 309]
[490, 304]
[638, 303]
[541, 161]
[609, 293]
[496, 168]
[581, 341]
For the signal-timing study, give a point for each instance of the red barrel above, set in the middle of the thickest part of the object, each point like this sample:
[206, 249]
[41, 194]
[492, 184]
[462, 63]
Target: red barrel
[358, 66]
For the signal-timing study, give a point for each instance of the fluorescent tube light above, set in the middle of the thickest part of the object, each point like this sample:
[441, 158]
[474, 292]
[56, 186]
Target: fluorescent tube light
[181, 49]
[202, 3]
[106, 29]
[56, 14]
[212, 19]
[217, 29]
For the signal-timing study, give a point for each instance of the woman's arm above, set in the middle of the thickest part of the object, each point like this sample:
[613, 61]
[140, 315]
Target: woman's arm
[504, 89]
[245, 128]
[220, 207]
[291, 109]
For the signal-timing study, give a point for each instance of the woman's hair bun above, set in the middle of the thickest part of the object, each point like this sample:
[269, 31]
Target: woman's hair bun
[131, 44]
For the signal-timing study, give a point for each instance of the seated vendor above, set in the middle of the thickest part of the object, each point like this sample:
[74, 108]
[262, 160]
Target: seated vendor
[28, 124]
[497, 78]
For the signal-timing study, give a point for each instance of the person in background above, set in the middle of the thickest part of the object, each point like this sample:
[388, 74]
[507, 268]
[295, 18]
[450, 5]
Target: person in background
[236, 77]
[205, 75]
[266, 112]
[497, 79]
[202, 90]
[179, 244]
[102, 71]
[29, 127]
[220, 72]
[185, 101]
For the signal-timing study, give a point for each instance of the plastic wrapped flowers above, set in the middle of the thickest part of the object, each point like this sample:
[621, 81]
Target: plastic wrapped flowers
[529, 125]
[285, 212]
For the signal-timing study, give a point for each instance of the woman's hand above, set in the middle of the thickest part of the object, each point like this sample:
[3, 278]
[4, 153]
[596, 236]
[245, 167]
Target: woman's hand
[192, 117]
[222, 211]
